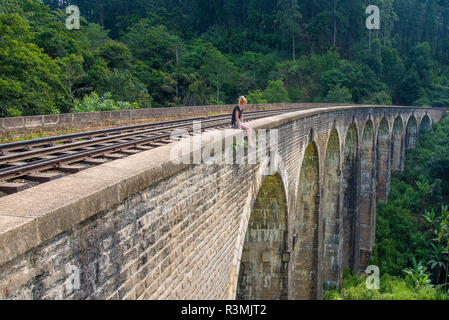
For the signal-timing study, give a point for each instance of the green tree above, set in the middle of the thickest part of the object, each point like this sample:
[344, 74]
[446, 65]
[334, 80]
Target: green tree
[417, 275]
[117, 55]
[24, 68]
[288, 17]
[72, 73]
[153, 45]
[338, 94]
[275, 92]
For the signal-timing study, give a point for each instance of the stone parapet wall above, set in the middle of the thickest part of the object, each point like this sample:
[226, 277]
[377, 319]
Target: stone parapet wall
[110, 118]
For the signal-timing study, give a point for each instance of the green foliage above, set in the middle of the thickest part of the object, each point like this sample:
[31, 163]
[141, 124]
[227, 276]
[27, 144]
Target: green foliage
[275, 92]
[417, 275]
[438, 256]
[379, 98]
[412, 226]
[256, 97]
[95, 103]
[13, 112]
[152, 44]
[338, 94]
[116, 54]
[332, 79]
[353, 287]
[24, 68]
[164, 53]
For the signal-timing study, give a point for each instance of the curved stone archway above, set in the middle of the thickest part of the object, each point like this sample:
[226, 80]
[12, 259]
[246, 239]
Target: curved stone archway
[396, 144]
[263, 274]
[411, 133]
[330, 209]
[351, 176]
[426, 124]
[306, 227]
[367, 205]
[280, 170]
[383, 161]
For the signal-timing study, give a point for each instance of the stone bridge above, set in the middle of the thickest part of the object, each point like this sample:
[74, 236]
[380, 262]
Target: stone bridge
[145, 227]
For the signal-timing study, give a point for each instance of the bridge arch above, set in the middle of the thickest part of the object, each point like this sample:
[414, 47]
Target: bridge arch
[367, 205]
[383, 161]
[426, 124]
[411, 133]
[331, 210]
[306, 237]
[396, 143]
[350, 179]
[263, 274]
[258, 200]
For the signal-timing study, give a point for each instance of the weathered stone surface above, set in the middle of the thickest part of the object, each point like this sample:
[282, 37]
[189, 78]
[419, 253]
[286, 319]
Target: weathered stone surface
[331, 211]
[145, 228]
[263, 273]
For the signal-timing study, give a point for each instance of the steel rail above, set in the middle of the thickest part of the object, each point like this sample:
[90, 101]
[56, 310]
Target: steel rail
[54, 163]
[94, 141]
[87, 134]
[86, 143]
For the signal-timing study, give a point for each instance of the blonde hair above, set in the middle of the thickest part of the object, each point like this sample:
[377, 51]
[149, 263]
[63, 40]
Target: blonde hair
[241, 99]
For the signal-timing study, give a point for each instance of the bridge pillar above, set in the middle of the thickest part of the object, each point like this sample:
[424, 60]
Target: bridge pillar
[397, 144]
[264, 261]
[426, 124]
[383, 161]
[411, 133]
[367, 193]
[350, 191]
[331, 210]
[307, 279]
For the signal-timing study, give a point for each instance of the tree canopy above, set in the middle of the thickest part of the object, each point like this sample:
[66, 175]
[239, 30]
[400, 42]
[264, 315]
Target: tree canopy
[170, 53]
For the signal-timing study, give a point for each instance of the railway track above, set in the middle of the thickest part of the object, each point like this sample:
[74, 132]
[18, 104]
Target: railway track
[25, 164]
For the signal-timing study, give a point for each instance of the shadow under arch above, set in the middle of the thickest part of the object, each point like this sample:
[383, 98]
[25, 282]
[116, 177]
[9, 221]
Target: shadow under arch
[383, 162]
[411, 133]
[306, 243]
[426, 124]
[263, 274]
[330, 210]
[396, 144]
[350, 180]
[367, 201]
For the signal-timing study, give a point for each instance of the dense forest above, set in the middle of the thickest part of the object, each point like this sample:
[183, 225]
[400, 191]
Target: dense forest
[154, 53]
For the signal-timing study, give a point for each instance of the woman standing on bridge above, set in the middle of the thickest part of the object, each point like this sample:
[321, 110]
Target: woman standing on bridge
[237, 120]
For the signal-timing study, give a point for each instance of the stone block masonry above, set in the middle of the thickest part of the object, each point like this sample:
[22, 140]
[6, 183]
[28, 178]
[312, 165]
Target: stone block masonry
[143, 227]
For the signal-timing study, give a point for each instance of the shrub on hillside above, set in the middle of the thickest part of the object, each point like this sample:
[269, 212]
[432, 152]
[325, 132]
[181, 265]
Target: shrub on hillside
[95, 103]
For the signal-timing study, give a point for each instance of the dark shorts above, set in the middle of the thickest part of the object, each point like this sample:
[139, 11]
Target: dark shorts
[235, 125]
